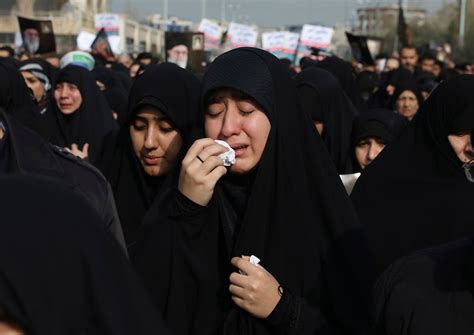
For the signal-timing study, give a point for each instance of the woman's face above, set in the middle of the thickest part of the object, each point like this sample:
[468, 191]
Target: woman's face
[407, 104]
[7, 329]
[68, 97]
[462, 147]
[239, 121]
[367, 150]
[34, 84]
[155, 141]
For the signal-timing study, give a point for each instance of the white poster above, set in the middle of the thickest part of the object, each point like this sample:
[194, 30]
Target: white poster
[109, 22]
[212, 34]
[242, 35]
[316, 36]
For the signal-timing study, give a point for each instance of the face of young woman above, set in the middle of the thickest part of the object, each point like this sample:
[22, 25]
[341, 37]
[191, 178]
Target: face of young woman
[68, 97]
[462, 146]
[7, 329]
[367, 150]
[407, 104]
[34, 84]
[155, 141]
[241, 123]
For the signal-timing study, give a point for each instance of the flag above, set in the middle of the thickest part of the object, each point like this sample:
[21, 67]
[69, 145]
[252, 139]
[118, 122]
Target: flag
[403, 34]
[101, 45]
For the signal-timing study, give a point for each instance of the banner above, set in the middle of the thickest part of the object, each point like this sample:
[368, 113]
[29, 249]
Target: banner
[282, 44]
[241, 35]
[212, 34]
[109, 22]
[314, 38]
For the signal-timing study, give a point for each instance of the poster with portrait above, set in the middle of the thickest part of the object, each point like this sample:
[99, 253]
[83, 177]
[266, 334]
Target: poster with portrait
[37, 36]
[360, 49]
[185, 49]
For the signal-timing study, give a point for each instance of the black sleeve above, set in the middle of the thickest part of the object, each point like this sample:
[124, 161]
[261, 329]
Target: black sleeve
[293, 315]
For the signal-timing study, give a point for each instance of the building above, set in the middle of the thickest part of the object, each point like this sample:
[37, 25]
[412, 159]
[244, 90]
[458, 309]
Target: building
[70, 17]
[378, 21]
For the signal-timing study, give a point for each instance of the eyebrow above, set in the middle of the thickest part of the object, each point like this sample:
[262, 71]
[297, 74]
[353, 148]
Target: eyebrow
[158, 118]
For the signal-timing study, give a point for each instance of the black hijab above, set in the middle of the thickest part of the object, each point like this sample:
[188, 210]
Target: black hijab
[343, 72]
[413, 87]
[295, 216]
[15, 97]
[381, 98]
[91, 122]
[380, 123]
[61, 272]
[115, 92]
[175, 92]
[419, 180]
[324, 99]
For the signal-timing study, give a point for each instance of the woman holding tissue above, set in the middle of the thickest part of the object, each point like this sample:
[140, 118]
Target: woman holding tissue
[282, 201]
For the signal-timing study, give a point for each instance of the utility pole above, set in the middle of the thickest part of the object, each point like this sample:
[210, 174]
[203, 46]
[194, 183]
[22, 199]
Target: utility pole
[165, 9]
[223, 5]
[462, 22]
[203, 9]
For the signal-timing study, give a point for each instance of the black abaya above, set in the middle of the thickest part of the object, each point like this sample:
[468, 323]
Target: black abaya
[291, 211]
[416, 195]
[430, 292]
[343, 72]
[324, 100]
[60, 271]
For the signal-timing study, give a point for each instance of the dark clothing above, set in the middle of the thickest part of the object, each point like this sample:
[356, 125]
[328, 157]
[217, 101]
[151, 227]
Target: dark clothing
[60, 270]
[323, 98]
[175, 93]
[415, 194]
[29, 154]
[91, 122]
[4, 150]
[430, 292]
[291, 211]
[343, 72]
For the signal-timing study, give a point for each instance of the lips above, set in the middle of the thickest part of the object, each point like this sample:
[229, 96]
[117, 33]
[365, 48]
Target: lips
[151, 160]
[239, 149]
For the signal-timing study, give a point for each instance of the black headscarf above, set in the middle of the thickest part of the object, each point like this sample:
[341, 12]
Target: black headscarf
[91, 122]
[175, 92]
[61, 272]
[419, 180]
[294, 215]
[115, 92]
[395, 78]
[324, 99]
[380, 123]
[15, 97]
[413, 87]
[343, 72]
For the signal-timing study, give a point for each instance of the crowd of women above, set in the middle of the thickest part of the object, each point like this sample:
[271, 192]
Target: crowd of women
[119, 215]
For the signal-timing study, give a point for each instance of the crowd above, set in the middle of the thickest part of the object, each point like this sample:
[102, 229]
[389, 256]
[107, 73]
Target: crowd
[341, 204]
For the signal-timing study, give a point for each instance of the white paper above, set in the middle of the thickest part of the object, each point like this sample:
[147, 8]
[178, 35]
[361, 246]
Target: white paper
[212, 34]
[254, 260]
[84, 41]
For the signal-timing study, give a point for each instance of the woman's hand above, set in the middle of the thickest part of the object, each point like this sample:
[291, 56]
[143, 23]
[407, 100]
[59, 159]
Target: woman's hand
[254, 290]
[82, 154]
[200, 170]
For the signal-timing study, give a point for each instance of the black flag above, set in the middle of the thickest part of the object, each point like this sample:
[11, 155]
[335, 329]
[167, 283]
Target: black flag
[403, 39]
[101, 45]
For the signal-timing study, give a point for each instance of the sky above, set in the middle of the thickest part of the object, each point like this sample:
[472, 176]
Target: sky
[265, 13]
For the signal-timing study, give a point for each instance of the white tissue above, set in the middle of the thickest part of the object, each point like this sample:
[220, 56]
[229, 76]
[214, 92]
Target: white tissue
[254, 260]
[229, 156]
